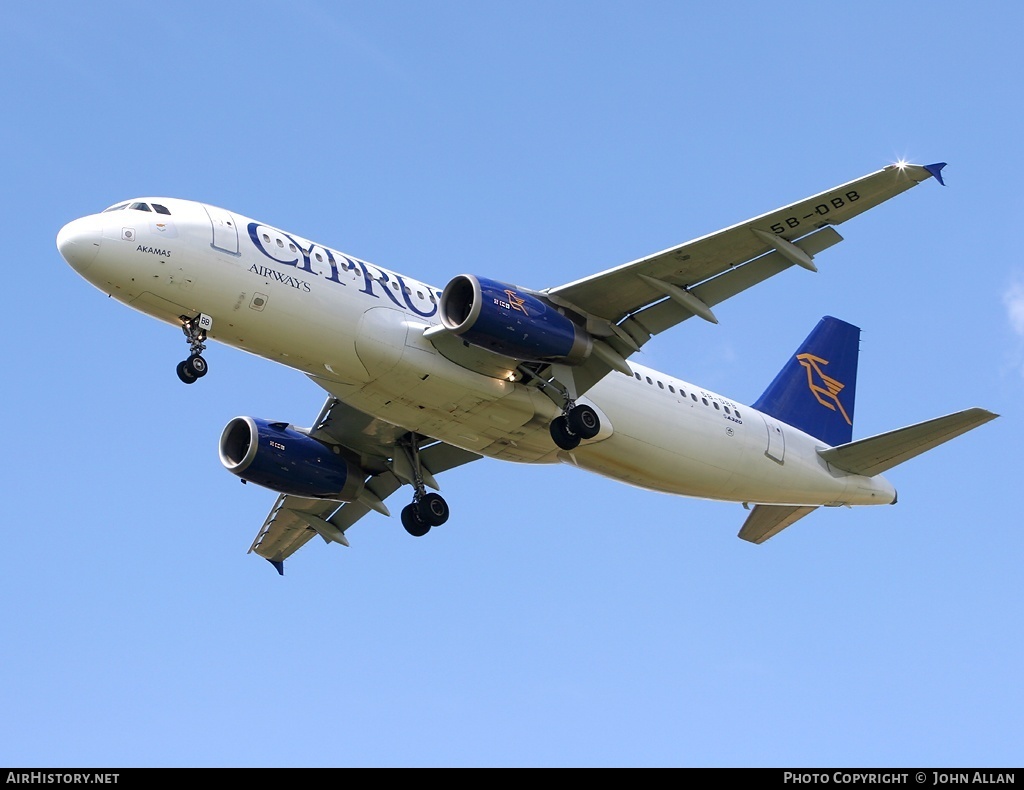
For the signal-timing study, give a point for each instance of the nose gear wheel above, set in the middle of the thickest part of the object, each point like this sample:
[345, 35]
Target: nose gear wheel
[195, 367]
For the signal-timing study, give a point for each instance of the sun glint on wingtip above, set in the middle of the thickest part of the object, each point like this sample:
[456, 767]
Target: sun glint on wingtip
[932, 170]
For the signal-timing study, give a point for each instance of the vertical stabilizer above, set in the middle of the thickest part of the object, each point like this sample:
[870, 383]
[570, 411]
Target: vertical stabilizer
[816, 389]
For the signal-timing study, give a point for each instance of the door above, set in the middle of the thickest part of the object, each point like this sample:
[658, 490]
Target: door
[776, 440]
[225, 234]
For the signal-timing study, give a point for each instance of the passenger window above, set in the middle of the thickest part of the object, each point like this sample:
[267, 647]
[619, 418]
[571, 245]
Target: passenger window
[161, 209]
[266, 239]
[737, 412]
[694, 396]
[704, 401]
[637, 376]
[727, 410]
[661, 386]
[671, 389]
[140, 207]
[717, 407]
[280, 243]
[649, 380]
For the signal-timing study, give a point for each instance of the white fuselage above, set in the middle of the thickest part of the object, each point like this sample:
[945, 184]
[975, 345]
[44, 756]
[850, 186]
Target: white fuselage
[357, 330]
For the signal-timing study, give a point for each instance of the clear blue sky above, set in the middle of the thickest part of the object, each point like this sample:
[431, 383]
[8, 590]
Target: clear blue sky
[558, 619]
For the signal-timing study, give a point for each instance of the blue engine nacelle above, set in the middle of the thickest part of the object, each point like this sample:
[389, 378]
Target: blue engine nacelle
[508, 321]
[278, 457]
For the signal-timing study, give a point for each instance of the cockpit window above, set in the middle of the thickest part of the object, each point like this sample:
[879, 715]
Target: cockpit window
[160, 209]
[118, 207]
[140, 207]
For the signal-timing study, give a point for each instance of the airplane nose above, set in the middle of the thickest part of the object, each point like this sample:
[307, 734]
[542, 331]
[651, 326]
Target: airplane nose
[79, 241]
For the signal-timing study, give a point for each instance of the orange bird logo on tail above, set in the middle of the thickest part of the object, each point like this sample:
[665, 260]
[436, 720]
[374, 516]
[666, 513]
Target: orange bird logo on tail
[827, 392]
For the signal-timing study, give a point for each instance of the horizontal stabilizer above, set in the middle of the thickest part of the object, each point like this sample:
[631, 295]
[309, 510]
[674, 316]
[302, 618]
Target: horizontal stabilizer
[876, 454]
[766, 521]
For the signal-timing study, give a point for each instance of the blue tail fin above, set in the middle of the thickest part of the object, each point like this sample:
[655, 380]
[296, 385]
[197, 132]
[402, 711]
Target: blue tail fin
[816, 389]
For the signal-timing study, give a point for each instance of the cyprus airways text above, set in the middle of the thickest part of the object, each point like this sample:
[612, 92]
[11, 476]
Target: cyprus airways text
[320, 261]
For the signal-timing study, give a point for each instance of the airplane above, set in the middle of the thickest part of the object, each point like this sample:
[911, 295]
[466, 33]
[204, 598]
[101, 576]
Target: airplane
[420, 380]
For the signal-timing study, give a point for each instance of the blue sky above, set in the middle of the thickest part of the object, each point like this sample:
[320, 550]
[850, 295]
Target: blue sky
[558, 619]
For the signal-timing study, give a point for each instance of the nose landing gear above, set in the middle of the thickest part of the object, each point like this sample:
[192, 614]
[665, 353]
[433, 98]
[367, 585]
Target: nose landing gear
[192, 369]
[195, 367]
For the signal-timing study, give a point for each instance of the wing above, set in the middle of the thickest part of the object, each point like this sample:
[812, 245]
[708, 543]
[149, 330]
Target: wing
[628, 289]
[629, 304]
[293, 520]
[625, 306]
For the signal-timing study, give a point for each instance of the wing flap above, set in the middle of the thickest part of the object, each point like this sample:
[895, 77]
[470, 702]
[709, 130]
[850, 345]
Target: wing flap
[284, 532]
[877, 454]
[766, 521]
[657, 318]
[615, 293]
[667, 313]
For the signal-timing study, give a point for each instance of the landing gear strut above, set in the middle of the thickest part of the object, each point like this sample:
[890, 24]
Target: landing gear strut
[576, 422]
[425, 510]
[195, 366]
[575, 425]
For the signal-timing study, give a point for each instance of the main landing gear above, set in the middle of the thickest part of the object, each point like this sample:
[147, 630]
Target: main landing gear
[427, 509]
[195, 366]
[575, 425]
[576, 422]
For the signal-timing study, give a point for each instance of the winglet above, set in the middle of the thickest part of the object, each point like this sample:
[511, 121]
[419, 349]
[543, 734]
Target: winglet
[936, 170]
[278, 564]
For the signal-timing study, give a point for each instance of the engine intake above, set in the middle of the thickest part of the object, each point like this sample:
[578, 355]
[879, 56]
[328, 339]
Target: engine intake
[278, 457]
[507, 320]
